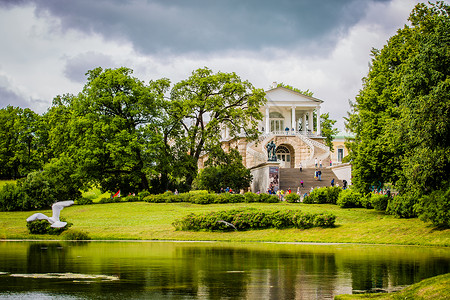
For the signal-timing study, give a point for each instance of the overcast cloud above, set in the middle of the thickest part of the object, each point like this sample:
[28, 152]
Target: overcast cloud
[47, 46]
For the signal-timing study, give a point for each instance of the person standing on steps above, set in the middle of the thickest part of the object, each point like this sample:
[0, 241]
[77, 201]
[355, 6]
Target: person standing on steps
[315, 162]
[332, 182]
[300, 167]
[319, 174]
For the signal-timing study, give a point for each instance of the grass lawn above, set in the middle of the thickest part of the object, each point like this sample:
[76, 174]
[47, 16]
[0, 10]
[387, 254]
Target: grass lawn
[150, 221]
[436, 288]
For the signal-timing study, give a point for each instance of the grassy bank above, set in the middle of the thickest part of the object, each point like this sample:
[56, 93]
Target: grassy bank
[436, 288]
[147, 221]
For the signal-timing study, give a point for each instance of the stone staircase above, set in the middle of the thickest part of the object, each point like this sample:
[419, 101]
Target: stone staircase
[290, 178]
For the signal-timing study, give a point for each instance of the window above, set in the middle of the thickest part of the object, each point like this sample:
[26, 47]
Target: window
[276, 121]
[340, 154]
[283, 154]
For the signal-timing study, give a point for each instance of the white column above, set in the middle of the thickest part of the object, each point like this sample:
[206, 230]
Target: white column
[267, 129]
[293, 118]
[319, 129]
[310, 121]
[304, 123]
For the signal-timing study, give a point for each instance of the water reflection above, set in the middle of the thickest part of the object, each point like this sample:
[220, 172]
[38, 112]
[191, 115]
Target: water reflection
[166, 270]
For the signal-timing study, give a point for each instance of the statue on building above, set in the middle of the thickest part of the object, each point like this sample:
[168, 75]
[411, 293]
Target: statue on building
[271, 151]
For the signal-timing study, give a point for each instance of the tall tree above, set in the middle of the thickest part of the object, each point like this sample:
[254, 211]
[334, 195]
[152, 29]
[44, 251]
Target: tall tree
[20, 147]
[205, 102]
[401, 116]
[108, 129]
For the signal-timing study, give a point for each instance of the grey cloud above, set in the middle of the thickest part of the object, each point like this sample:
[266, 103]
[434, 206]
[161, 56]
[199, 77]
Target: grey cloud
[8, 97]
[204, 26]
[76, 67]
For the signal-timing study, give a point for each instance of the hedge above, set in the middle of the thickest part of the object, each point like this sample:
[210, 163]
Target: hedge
[251, 218]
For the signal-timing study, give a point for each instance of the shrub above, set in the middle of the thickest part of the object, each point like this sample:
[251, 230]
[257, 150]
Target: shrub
[324, 220]
[131, 198]
[250, 218]
[11, 197]
[402, 205]
[143, 194]
[435, 207]
[109, 200]
[203, 199]
[292, 198]
[267, 198]
[319, 195]
[84, 201]
[44, 227]
[379, 202]
[75, 235]
[251, 197]
[349, 198]
[333, 194]
[303, 220]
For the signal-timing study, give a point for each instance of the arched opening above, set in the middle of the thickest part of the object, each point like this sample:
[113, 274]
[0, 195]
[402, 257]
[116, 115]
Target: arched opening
[284, 156]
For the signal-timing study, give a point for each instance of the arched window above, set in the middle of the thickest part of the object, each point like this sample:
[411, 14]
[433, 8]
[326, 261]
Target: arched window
[283, 153]
[276, 121]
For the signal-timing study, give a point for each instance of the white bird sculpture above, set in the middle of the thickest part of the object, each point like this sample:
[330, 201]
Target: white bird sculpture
[227, 224]
[54, 219]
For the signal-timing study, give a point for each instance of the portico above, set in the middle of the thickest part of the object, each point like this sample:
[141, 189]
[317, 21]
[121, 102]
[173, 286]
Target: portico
[290, 112]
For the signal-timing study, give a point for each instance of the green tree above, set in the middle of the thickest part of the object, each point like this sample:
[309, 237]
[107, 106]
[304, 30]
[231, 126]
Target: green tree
[20, 147]
[108, 129]
[306, 93]
[401, 116]
[206, 102]
[224, 170]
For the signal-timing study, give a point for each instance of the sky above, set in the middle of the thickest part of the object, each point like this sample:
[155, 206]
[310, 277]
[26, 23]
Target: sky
[47, 46]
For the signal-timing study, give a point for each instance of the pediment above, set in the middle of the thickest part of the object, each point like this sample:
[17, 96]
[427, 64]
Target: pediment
[285, 95]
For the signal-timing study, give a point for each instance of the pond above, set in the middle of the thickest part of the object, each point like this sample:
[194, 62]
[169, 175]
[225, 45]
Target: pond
[209, 270]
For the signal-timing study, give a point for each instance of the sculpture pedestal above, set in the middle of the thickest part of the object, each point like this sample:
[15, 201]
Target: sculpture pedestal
[265, 175]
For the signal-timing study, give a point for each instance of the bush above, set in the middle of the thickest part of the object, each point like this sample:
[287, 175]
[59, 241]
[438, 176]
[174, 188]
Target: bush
[251, 197]
[292, 198]
[324, 220]
[11, 197]
[379, 202]
[435, 207]
[303, 220]
[319, 195]
[84, 201]
[131, 198]
[267, 198]
[333, 194]
[143, 194]
[402, 206]
[349, 198]
[44, 227]
[250, 218]
[109, 200]
[75, 235]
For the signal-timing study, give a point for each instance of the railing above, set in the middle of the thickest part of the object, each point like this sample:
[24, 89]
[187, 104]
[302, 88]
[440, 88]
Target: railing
[261, 156]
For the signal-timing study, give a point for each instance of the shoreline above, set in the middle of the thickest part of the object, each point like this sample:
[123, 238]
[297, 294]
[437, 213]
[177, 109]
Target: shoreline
[222, 241]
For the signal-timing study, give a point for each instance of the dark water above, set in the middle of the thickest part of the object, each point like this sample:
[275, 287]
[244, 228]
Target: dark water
[171, 270]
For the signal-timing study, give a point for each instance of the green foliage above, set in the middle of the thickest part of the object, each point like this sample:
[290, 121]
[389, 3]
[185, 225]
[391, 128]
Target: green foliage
[22, 142]
[349, 198]
[75, 235]
[11, 197]
[223, 170]
[401, 116]
[223, 99]
[327, 129]
[378, 201]
[84, 201]
[435, 207]
[203, 197]
[292, 198]
[44, 227]
[250, 219]
[323, 195]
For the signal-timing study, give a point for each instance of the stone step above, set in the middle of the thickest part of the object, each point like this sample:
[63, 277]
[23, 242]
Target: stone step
[291, 177]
